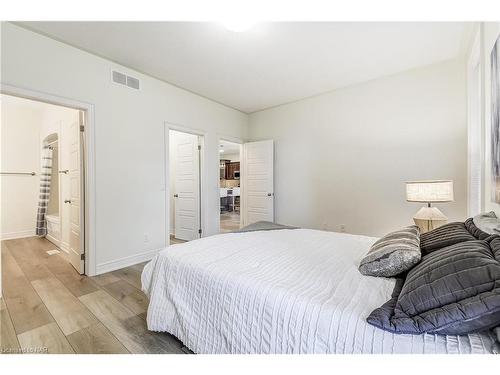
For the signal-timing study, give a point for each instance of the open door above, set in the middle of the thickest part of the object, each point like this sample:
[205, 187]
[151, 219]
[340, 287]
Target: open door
[186, 164]
[75, 199]
[258, 183]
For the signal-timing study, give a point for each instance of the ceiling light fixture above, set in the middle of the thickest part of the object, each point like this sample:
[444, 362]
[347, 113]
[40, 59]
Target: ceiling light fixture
[238, 25]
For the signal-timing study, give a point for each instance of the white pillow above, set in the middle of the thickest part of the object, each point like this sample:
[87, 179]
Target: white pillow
[487, 222]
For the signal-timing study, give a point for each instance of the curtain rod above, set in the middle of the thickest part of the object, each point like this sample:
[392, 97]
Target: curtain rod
[18, 173]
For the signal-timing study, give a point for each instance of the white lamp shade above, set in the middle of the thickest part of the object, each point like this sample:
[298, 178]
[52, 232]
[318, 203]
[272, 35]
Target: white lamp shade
[429, 191]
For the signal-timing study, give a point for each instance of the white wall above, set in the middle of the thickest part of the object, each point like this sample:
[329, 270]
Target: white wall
[129, 139]
[491, 31]
[20, 136]
[343, 157]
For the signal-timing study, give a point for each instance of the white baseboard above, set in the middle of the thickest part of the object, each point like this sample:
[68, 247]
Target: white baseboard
[125, 262]
[20, 234]
[64, 247]
[54, 240]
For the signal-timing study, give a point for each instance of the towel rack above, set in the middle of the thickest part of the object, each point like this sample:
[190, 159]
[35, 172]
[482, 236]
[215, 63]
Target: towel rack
[18, 173]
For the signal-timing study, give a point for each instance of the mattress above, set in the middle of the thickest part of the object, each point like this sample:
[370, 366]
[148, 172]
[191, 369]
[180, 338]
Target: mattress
[283, 291]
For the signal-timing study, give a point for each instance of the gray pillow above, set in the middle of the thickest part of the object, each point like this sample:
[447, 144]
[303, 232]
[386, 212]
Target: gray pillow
[394, 253]
[496, 345]
[488, 222]
[446, 235]
[451, 291]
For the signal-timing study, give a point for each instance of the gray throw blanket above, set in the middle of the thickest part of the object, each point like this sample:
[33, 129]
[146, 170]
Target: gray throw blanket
[263, 225]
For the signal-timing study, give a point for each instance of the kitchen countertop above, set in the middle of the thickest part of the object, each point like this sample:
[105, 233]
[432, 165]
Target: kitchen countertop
[235, 192]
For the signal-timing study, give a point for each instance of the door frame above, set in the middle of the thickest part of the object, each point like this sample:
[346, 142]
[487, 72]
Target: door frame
[167, 126]
[88, 240]
[241, 142]
[475, 120]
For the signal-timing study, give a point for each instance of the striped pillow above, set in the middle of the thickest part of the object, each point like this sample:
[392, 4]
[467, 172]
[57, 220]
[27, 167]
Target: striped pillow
[446, 235]
[393, 254]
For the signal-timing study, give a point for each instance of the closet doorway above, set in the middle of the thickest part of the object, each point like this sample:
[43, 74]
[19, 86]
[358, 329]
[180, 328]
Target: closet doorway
[42, 176]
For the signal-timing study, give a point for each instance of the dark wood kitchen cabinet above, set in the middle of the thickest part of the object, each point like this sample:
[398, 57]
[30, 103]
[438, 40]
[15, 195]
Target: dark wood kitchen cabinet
[231, 168]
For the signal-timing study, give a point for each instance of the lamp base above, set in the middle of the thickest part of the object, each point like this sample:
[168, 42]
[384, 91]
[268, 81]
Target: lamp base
[429, 218]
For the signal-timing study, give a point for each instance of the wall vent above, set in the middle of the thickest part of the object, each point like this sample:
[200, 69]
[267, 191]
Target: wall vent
[119, 78]
[123, 79]
[133, 82]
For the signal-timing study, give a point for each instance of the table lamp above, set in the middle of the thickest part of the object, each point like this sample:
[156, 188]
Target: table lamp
[435, 191]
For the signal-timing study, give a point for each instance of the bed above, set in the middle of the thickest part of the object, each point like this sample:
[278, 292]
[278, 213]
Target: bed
[279, 291]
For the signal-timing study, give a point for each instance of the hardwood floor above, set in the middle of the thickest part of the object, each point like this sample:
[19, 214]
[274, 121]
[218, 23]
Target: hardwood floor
[49, 308]
[8, 337]
[174, 240]
[229, 222]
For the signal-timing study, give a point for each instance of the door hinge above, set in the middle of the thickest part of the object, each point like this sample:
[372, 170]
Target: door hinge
[81, 118]
[199, 231]
[82, 128]
[82, 256]
[199, 147]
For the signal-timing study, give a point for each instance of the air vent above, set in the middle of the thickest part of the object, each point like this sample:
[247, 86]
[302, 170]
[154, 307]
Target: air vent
[133, 82]
[123, 79]
[119, 78]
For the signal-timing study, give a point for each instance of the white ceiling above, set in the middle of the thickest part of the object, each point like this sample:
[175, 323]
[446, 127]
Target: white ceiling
[271, 64]
[228, 147]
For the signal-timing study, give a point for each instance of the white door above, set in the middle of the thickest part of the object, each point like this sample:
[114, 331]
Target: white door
[258, 182]
[186, 186]
[74, 200]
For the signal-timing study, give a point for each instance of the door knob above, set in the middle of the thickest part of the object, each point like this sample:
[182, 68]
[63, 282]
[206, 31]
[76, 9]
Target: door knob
[269, 194]
[64, 171]
[176, 195]
[67, 201]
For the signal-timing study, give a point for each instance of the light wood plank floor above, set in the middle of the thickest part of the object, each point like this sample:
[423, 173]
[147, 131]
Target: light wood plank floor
[229, 222]
[174, 240]
[49, 308]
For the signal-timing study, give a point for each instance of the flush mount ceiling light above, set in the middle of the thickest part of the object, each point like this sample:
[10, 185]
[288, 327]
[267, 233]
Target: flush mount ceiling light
[238, 25]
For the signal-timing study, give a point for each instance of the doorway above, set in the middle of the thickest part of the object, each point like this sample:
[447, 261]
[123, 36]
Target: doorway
[230, 186]
[42, 175]
[185, 179]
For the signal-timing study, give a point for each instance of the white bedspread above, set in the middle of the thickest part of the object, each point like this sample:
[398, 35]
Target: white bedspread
[284, 291]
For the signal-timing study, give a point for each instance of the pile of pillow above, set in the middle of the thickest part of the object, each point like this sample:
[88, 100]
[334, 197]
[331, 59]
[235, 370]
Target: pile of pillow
[453, 289]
